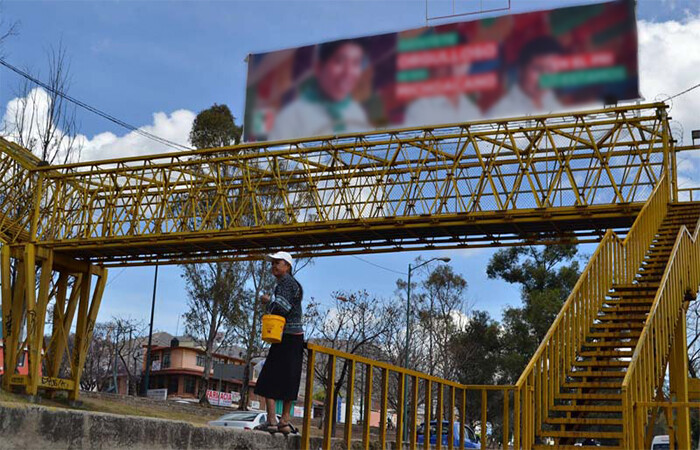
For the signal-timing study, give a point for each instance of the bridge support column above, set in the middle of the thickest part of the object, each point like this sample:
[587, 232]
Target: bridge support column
[678, 380]
[34, 281]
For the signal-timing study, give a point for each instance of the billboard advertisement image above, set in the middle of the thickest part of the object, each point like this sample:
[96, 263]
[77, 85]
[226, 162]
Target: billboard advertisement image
[504, 66]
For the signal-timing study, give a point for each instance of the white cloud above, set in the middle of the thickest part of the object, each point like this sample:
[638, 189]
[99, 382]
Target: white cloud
[668, 62]
[174, 127]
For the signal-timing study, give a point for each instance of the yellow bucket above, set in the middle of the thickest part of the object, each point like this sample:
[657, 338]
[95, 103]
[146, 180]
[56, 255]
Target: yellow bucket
[272, 327]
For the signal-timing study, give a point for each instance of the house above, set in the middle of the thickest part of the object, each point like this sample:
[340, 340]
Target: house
[22, 366]
[179, 368]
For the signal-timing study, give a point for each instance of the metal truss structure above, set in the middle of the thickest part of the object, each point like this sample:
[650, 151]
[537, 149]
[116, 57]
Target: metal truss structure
[538, 179]
[512, 181]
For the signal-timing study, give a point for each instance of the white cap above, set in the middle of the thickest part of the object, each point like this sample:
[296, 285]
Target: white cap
[284, 256]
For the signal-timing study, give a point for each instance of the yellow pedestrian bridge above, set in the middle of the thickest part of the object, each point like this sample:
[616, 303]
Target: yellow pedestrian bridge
[606, 176]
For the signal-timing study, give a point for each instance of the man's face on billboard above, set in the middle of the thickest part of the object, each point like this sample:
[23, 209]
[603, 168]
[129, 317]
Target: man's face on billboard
[339, 74]
[530, 80]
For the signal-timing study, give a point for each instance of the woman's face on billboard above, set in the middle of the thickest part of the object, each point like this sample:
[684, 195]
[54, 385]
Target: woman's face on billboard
[339, 74]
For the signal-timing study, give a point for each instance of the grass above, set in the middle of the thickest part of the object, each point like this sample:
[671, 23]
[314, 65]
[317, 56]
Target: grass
[116, 406]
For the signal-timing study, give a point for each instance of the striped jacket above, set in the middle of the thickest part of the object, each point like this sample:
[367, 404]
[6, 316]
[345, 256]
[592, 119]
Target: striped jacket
[287, 303]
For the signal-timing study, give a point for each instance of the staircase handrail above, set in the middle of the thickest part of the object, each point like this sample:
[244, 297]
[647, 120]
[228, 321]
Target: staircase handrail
[682, 273]
[611, 263]
[644, 228]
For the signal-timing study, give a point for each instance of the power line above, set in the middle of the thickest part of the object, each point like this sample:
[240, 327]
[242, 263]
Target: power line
[377, 265]
[92, 109]
[685, 92]
[114, 278]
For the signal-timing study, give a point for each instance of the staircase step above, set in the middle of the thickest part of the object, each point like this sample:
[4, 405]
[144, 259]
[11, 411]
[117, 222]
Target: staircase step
[573, 447]
[620, 334]
[591, 396]
[634, 287]
[642, 297]
[606, 353]
[591, 385]
[597, 374]
[587, 408]
[623, 326]
[583, 434]
[624, 309]
[654, 264]
[582, 421]
[609, 344]
[601, 364]
[621, 317]
[630, 302]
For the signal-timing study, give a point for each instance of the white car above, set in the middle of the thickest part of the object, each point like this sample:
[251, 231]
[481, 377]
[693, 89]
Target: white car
[242, 420]
[661, 442]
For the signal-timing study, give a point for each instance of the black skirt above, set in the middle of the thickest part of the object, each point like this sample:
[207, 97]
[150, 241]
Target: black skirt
[281, 374]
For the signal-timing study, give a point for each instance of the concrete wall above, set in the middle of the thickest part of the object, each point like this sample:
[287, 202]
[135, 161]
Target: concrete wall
[32, 426]
[25, 427]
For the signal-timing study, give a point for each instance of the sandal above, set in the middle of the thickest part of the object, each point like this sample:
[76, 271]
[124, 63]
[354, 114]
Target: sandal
[267, 426]
[286, 428]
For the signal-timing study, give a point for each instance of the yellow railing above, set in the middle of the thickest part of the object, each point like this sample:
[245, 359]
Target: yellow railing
[671, 411]
[648, 365]
[614, 262]
[689, 194]
[398, 386]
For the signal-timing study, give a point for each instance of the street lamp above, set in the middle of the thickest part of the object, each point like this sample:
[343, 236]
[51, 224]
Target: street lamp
[408, 331]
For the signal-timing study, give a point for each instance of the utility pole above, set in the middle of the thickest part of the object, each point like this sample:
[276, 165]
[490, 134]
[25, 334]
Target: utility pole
[150, 335]
[408, 332]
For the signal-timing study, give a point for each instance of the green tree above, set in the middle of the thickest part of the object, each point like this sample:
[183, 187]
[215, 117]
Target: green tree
[215, 127]
[546, 276]
[476, 350]
[214, 290]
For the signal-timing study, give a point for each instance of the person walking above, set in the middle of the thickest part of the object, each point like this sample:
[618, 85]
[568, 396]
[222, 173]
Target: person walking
[281, 373]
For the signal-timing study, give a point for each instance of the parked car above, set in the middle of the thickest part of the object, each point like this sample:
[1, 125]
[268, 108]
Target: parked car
[242, 420]
[470, 439]
[661, 442]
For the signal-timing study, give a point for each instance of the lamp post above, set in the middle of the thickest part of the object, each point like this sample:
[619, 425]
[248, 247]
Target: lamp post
[150, 335]
[408, 332]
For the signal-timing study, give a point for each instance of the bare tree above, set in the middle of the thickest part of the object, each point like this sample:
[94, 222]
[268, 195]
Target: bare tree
[43, 121]
[355, 323]
[440, 314]
[693, 339]
[128, 335]
[98, 360]
[7, 29]
[213, 292]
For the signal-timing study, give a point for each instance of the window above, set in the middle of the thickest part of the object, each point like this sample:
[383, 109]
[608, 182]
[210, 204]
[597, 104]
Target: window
[190, 384]
[244, 416]
[470, 434]
[173, 384]
[166, 360]
[155, 356]
[157, 382]
[200, 360]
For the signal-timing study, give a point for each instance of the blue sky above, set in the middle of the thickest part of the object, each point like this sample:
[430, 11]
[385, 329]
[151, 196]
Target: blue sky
[156, 63]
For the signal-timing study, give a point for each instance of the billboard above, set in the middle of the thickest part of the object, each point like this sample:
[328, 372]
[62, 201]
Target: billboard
[504, 66]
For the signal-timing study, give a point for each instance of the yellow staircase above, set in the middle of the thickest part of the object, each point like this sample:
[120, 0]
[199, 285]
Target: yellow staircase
[602, 358]
[589, 403]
